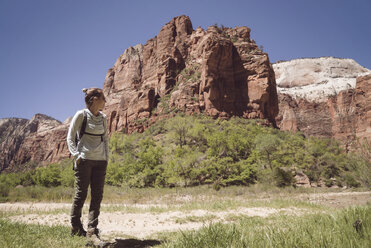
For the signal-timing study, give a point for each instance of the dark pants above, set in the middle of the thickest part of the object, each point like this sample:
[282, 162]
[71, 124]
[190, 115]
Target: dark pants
[88, 172]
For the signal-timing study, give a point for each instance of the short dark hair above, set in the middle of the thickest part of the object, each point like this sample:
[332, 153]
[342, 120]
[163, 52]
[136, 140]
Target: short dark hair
[90, 94]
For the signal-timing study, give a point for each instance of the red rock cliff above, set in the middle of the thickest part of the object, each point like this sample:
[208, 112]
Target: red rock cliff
[337, 106]
[219, 72]
[41, 140]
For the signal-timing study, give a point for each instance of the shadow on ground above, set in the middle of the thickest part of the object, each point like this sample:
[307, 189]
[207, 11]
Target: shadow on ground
[130, 243]
[135, 243]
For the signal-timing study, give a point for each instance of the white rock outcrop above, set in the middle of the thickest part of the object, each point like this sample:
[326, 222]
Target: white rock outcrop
[315, 79]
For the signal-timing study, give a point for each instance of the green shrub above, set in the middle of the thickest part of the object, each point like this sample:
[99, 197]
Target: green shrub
[195, 150]
[4, 189]
[48, 176]
[283, 177]
[27, 178]
[267, 144]
[114, 174]
[67, 177]
[350, 181]
[10, 179]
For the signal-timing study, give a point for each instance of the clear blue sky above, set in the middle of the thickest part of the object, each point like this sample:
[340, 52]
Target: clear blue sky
[51, 49]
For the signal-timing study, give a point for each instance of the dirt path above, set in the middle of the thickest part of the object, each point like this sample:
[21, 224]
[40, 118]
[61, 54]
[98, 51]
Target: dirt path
[144, 223]
[338, 200]
[141, 225]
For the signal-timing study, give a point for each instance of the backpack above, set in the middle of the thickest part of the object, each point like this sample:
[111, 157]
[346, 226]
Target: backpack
[78, 136]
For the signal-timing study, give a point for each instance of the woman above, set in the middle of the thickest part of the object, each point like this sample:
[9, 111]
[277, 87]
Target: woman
[90, 151]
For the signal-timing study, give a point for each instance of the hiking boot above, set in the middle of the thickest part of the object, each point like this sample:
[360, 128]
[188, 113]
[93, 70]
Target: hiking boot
[94, 239]
[93, 232]
[78, 231]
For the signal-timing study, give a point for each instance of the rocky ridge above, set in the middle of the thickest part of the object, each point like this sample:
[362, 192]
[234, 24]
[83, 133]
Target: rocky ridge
[317, 79]
[40, 139]
[338, 108]
[219, 71]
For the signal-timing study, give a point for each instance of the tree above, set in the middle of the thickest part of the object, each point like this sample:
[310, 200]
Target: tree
[179, 127]
[267, 144]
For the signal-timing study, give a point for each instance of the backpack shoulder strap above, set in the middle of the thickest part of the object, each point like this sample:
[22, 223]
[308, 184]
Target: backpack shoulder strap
[83, 126]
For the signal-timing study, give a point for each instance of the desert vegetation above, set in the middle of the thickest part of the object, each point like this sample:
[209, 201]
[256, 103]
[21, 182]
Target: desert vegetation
[188, 151]
[196, 150]
[223, 168]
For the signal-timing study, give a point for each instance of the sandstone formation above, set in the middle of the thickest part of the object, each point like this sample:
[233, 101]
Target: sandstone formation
[340, 114]
[12, 133]
[316, 79]
[41, 140]
[302, 180]
[351, 112]
[219, 72]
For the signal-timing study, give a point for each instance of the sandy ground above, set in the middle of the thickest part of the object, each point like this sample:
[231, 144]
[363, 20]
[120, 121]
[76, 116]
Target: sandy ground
[339, 200]
[142, 225]
[145, 223]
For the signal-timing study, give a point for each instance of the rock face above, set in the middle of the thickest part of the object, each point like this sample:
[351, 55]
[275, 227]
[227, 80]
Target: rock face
[351, 112]
[12, 133]
[220, 72]
[343, 114]
[316, 79]
[302, 180]
[41, 139]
